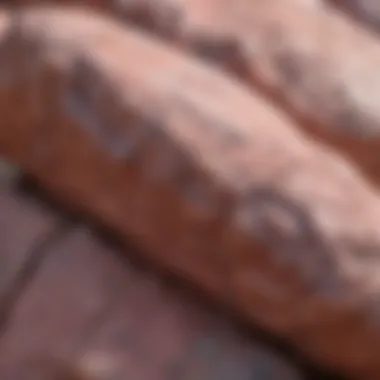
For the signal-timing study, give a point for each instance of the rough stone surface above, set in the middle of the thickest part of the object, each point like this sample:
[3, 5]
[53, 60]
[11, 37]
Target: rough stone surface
[319, 66]
[207, 178]
[84, 313]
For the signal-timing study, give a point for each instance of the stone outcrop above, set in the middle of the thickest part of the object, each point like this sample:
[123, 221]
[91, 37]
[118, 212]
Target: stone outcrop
[303, 55]
[317, 65]
[203, 174]
[71, 308]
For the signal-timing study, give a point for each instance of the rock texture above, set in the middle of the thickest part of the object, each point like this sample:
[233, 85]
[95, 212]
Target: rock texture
[204, 175]
[309, 59]
[314, 63]
[75, 309]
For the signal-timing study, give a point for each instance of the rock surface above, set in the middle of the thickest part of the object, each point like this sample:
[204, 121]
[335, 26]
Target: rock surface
[205, 176]
[316, 64]
[77, 310]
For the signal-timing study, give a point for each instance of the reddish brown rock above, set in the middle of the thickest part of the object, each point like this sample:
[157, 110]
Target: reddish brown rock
[208, 179]
[316, 64]
[320, 67]
[84, 313]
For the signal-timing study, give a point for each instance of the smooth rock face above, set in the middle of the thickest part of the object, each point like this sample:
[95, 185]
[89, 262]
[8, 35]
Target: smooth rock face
[205, 176]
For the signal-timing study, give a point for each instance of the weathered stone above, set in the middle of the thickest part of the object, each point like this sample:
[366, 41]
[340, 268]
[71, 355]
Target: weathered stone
[84, 313]
[206, 177]
[320, 67]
